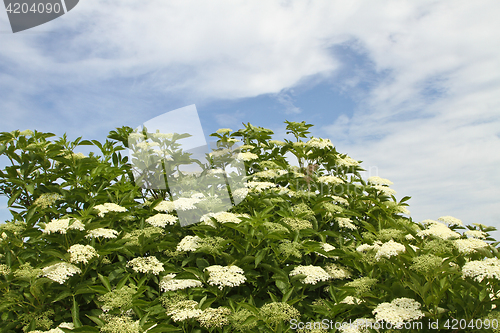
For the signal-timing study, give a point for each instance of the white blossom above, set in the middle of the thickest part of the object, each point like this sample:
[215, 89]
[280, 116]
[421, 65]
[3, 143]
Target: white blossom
[319, 143]
[384, 189]
[476, 234]
[346, 161]
[438, 230]
[63, 225]
[398, 311]
[60, 272]
[189, 243]
[247, 156]
[345, 222]
[109, 207]
[469, 245]
[225, 276]
[330, 180]
[161, 220]
[389, 249]
[314, 274]
[82, 253]
[482, 269]
[376, 180]
[146, 265]
[102, 232]
[184, 310]
[169, 283]
[450, 220]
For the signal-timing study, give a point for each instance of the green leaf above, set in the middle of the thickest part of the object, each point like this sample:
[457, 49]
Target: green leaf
[75, 313]
[62, 295]
[105, 281]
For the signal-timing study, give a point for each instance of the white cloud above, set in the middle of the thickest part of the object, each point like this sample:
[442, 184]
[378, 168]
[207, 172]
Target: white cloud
[439, 148]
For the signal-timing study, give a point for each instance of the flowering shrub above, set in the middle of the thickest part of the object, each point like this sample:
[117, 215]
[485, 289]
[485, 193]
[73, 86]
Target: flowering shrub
[90, 250]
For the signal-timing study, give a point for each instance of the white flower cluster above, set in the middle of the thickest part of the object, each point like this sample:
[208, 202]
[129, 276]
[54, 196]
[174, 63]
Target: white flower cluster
[47, 199]
[327, 248]
[224, 217]
[146, 265]
[450, 220]
[398, 311]
[376, 180]
[437, 229]
[240, 193]
[109, 207]
[220, 152]
[184, 310]
[225, 276]
[247, 156]
[161, 220]
[165, 206]
[270, 174]
[277, 142]
[63, 225]
[469, 245]
[482, 269]
[339, 200]
[384, 189]
[178, 204]
[476, 234]
[169, 283]
[389, 249]
[60, 272]
[102, 232]
[352, 300]
[320, 143]
[367, 247]
[345, 222]
[314, 274]
[189, 243]
[330, 180]
[346, 162]
[82, 253]
[259, 186]
[337, 272]
[223, 130]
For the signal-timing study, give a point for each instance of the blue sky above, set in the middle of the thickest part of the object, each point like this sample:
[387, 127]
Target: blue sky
[410, 88]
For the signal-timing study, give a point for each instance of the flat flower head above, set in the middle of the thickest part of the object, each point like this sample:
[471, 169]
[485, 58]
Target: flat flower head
[247, 156]
[189, 243]
[82, 253]
[102, 232]
[482, 269]
[397, 312]
[224, 130]
[225, 276]
[109, 207]
[450, 220]
[375, 180]
[170, 283]
[469, 245]
[63, 225]
[146, 265]
[314, 274]
[60, 272]
[161, 220]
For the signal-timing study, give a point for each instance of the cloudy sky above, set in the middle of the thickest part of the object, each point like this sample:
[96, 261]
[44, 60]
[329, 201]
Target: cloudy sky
[411, 88]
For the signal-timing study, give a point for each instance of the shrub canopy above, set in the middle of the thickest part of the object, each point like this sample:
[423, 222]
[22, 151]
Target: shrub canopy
[92, 248]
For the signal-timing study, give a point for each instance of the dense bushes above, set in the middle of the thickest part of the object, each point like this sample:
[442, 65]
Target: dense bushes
[91, 248]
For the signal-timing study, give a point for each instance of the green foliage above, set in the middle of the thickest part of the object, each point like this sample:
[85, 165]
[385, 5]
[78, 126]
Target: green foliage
[89, 250]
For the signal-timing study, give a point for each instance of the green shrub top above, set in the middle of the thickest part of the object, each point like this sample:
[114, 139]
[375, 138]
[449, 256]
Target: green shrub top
[91, 248]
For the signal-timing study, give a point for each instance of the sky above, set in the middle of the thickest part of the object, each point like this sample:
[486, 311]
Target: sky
[411, 88]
